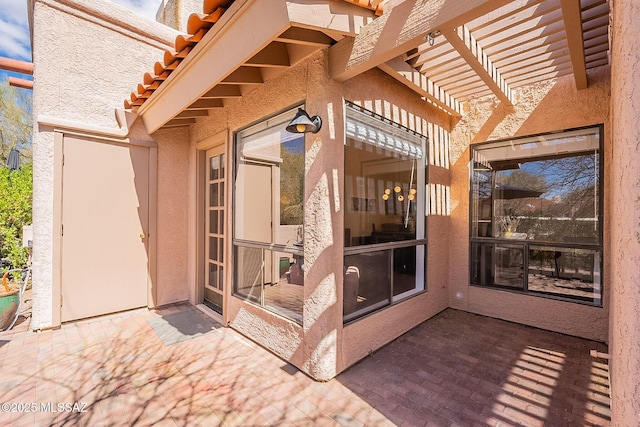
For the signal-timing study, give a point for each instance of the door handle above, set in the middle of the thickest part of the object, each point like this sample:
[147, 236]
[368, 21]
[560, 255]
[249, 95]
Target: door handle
[142, 236]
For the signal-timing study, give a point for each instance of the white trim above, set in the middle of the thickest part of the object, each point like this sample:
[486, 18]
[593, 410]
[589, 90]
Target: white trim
[83, 129]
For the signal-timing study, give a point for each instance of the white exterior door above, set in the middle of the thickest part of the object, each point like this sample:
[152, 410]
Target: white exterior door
[105, 218]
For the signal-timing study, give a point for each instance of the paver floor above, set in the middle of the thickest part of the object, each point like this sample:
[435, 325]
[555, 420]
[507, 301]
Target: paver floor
[455, 369]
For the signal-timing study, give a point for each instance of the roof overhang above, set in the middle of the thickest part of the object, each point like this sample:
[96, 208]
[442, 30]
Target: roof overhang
[252, 42]
[447, 51]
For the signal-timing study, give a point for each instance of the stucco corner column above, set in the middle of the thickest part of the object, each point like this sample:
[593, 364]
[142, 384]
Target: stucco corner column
[625, 224]
[323, 239]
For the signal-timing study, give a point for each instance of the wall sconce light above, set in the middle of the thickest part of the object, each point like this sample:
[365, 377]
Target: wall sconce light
[302, 123]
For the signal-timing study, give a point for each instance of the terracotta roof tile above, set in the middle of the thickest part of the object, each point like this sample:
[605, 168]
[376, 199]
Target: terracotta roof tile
[197, 26]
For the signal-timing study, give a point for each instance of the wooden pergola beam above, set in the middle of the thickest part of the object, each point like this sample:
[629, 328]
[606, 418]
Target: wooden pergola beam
[572, 16]
[297, 35]
[16, 66]
[466, 45]
[21, 83]
[402, 29]
[407, 75]
[191, 114]
[179, 123]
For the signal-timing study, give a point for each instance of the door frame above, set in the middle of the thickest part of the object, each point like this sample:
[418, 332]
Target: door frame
[218, 140]
[58, 151]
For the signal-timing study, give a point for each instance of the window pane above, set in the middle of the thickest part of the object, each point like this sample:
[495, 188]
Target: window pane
[269, 210]
[382, 194]
[543, 192]
[270, 186]
[384, 188]
[214, 168]
[568, 272]
[213, 248]
[277, 279]
[213, 194]
[285, 292]
[366, 282]
[213, 221]
[248, 280]
[509, 266]
[253, 203]
[404, 270]
[222, 160]
[482, 216]
[553, 200]
[292, 182]
[481, 264]
[213, 275]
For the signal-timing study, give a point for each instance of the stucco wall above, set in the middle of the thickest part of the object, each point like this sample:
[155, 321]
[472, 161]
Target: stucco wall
[624, 346]
[88, 56]
[320, 346]
[548, 106]
[173, 195]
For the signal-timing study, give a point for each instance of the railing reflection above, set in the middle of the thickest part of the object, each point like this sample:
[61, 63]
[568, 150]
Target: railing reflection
[271, 276]
[568, 271]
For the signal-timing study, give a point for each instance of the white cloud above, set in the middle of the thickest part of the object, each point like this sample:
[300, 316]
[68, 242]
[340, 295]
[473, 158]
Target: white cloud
[14, 26]
[13, 10]
[146, 8]
[14, 30]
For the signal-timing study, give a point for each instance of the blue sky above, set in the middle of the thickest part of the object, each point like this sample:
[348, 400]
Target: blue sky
[14, 28]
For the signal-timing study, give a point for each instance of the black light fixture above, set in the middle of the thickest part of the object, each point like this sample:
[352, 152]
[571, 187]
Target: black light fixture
[302, 123]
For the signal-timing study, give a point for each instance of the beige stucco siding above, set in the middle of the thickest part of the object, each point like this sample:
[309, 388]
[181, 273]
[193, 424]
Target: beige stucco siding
[173, 195]
[549, 106]
[88, 56]
[625, 218]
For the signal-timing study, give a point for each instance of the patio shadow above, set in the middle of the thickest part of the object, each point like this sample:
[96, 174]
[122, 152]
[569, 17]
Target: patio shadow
[465, 369]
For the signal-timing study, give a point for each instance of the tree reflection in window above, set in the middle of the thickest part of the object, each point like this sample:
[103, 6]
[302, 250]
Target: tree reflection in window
[554, 199]
[292, 182]
[536, 214]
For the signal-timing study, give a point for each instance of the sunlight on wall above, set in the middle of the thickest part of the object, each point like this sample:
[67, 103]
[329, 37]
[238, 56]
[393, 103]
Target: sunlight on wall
[438, 146]
[439, 199]
[281, 337]
[322, 297]
[331, 122]
[322, 361]
[336, 190]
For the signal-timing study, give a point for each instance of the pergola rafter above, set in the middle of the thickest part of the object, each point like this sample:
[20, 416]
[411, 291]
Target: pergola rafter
[465, 44]
[573, 26]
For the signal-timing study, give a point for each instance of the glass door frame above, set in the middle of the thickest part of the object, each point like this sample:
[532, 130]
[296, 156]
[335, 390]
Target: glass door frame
[214, 256]
[217, 142]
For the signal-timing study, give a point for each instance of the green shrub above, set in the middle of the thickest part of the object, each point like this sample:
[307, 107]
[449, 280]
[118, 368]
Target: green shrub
[16, 191]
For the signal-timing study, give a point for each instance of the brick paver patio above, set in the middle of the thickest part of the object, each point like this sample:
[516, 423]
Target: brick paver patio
[455, 369]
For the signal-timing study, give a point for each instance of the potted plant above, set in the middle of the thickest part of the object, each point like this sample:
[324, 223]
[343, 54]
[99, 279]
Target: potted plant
[10, 294]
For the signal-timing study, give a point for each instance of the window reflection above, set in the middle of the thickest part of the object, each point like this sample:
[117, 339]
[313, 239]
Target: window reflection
[269, 216]
[384, 206]
[541, 193]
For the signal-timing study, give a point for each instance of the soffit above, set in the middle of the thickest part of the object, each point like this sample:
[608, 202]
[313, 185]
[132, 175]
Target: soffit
[276, 50]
